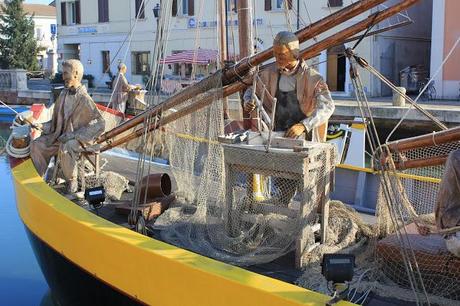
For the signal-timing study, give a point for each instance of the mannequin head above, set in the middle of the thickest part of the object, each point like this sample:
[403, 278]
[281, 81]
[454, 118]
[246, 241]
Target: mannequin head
[286, 50]
[72, 73]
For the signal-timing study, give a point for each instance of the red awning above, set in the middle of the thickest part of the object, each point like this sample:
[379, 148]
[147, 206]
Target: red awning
[199, 56]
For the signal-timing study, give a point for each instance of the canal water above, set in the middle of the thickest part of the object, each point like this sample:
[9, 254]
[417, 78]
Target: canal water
[21, 281]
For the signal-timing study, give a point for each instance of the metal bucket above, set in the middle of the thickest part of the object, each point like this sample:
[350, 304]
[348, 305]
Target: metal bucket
[20, 137]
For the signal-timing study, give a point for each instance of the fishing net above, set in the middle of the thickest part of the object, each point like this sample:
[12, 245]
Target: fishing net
[394, 258]
[237, 202]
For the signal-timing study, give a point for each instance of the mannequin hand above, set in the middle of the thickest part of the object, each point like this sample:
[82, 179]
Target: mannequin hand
[249, 106]
[295, 130]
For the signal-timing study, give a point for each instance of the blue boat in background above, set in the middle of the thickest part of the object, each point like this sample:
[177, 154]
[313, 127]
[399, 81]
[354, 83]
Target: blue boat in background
[7, 114]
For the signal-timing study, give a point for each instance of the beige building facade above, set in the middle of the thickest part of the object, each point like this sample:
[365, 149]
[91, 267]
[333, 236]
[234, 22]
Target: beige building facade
[98, 32]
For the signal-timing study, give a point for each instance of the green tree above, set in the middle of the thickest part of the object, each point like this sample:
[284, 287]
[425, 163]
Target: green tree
[18, 46]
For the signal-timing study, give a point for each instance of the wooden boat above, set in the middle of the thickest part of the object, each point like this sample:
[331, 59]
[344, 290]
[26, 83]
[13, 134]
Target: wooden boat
[88, 260]
[94, 258]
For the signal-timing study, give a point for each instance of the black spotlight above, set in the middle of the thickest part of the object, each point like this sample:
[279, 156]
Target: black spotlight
[95, 196]
[338, 269]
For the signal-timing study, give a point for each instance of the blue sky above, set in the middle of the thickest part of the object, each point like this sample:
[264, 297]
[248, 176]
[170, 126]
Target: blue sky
[38, 1]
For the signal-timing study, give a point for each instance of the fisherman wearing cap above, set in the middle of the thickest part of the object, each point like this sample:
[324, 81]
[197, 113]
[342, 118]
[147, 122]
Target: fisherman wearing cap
[304, 102]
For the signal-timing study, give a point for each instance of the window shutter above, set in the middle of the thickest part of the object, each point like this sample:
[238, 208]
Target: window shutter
[103, 10]
[77, 12]
[99, 10]
[63, 14]
[174, 8]
[289, 4]
[335, 3]
[268, 5]
[191, 7]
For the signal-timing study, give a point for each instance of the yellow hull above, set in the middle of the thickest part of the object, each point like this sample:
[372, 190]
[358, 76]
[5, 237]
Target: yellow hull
[147, 270]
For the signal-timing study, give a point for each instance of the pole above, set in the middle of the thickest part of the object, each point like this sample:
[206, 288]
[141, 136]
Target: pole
[245, 38]
[246, 47]
[222, 7]
[428, 140]
[298, 14]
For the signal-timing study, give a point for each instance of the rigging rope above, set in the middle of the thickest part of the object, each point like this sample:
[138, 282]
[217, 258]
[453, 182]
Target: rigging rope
[286, 15]
[389, 190]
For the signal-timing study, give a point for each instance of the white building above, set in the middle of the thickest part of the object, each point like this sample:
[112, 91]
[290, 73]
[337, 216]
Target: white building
[97, 32]
[44, 17]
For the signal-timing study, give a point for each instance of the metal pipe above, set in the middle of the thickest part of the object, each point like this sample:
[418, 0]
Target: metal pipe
[428, 140]
[155, 185]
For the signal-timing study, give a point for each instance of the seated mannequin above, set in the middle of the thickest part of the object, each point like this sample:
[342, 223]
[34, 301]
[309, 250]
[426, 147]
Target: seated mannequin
[76, 122]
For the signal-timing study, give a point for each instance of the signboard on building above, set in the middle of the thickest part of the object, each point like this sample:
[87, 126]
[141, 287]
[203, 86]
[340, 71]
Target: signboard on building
[192, 23]
[53, 29]
[87, 30]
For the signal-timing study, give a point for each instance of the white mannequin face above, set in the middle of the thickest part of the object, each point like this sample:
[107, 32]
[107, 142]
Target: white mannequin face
[70, 77]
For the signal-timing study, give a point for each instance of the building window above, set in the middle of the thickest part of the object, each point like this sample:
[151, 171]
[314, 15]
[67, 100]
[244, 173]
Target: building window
[103, 10]
[70, 12]
[186, 7]
[140, 63]
[39, 34]
[105, 61]
[140, 9]
[335, 3]
[277, 4]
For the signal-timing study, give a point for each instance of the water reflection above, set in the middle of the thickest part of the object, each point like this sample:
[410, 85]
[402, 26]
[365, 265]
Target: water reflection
[47, 300]
[21, 281]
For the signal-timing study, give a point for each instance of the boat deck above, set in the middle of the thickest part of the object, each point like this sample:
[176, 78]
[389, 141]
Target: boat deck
[282, 268]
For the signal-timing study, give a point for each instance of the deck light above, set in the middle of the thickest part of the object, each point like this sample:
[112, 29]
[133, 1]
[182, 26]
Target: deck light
[338, 269]
[95, 196]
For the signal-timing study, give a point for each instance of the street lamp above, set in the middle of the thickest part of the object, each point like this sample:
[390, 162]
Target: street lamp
[156, 11]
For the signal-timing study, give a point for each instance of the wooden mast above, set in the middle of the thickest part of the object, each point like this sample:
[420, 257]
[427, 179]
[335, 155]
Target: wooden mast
[229, 75]
[222, 8]
[309, 52]
[246, 48]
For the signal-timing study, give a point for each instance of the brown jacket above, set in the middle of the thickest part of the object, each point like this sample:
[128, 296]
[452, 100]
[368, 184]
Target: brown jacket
[83, 119]
[312, 93]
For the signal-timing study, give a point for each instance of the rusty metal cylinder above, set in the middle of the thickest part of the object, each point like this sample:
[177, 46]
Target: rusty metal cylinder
[156, 185]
